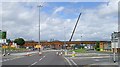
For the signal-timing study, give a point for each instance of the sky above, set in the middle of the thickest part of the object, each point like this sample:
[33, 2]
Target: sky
[57, 20]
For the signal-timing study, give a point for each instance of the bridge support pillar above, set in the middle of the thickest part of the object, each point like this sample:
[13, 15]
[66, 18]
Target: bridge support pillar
[101, 46]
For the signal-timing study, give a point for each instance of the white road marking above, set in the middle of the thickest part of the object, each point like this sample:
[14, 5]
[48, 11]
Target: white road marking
[89, 57]
[34, 63]
[43, 56]
[73, 62]
[96, 60]
[37, 62]
[7, 59]
[40, 59]
[68, 61]
[4, 60]
[11, 59]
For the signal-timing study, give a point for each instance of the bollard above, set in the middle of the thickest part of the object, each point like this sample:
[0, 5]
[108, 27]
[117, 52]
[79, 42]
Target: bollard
[40, 53]
[61, 53]
[73, 54]
[66, 53]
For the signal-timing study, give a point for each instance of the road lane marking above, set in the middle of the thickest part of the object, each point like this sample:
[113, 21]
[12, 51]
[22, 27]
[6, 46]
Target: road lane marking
[4, 60]
[73, 62]
[68, 61]
[96, 60]
[33, 63]
[37, 62]
[7, 59]
[43, 56]
[12, 59]
[40, 59]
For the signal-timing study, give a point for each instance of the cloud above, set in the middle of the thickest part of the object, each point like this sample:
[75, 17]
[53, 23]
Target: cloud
[21, 20]
[58, 10]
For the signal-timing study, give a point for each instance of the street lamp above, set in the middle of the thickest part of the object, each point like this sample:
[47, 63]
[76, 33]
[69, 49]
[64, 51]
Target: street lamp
[65, 45]
[65, 39]
[81, 37]
[39, 6]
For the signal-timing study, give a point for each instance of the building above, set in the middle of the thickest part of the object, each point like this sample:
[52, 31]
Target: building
[30, 43]
[104, 45]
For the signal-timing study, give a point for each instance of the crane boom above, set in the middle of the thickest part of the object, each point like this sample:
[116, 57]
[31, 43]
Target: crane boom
[75, 26]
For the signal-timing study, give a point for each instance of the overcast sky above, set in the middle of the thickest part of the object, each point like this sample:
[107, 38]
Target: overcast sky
[97, 22]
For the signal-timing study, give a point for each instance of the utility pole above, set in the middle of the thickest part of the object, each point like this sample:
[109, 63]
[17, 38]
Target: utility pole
[81, 37]
[65, 39]
[39, 6]
[65, 45]
[119, 48]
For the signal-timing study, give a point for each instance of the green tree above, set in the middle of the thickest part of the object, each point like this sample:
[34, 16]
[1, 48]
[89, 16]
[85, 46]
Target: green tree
[4, 35]
[8, 41]
[97, 46]
[20, 41]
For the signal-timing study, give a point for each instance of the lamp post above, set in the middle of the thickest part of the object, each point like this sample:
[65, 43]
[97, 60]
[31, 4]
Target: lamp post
[39, 6]
[65, 45]
[65, 39]
[81, 37]
[119, 48]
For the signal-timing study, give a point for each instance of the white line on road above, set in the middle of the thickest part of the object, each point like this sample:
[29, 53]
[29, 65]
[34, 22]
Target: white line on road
[40, 59]
[68, 61]
[33, 63]
[43, 56]
[7, 59]
[36, 62]
[73, 62]
[11, 59]
[96, 60]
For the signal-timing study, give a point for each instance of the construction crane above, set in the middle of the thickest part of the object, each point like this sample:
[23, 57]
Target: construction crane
[75, 27]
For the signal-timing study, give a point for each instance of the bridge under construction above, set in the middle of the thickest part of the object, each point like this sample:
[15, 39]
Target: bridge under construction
[104, 45]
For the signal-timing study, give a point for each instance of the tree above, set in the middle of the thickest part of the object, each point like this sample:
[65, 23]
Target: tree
[97, 46]
[8, 41]
[4, 35]
[19, 41]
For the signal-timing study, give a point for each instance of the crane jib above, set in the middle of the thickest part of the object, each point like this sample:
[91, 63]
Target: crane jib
[75, 26]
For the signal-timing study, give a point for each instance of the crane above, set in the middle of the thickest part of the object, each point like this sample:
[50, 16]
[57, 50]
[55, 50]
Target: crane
[75, 27]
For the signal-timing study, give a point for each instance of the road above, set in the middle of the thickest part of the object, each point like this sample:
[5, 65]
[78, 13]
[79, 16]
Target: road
[51, 58]
[47, 58]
